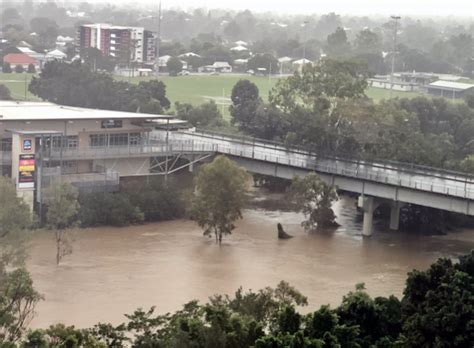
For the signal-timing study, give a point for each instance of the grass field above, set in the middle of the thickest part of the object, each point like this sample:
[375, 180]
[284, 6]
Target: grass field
[194, 89]
[16, 83]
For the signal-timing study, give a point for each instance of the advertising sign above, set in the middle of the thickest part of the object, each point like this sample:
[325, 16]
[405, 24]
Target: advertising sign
[27, 145]
[26, 171]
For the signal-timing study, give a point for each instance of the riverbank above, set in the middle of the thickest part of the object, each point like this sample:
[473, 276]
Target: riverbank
[113, 271]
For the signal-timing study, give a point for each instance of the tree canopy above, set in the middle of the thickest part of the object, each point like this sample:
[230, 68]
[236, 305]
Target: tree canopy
[219, 197]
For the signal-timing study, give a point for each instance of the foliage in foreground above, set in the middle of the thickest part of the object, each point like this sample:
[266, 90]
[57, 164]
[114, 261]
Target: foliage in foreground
[435, 311]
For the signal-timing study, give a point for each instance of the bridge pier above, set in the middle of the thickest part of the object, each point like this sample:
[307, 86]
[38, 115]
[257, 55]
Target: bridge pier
[395, 215]
[368, 205]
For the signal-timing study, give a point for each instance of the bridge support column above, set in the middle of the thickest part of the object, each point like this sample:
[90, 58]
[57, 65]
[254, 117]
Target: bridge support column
[395, 215]
[368, 204]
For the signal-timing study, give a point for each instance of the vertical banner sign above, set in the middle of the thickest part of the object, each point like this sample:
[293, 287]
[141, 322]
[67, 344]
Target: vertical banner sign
[26, 171]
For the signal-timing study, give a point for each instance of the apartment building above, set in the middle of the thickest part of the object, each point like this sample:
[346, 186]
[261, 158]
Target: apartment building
[126, 44]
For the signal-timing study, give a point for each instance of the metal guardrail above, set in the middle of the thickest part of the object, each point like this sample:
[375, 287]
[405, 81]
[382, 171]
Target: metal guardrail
[407, 167]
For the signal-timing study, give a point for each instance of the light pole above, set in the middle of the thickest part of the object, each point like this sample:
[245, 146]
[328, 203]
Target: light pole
[394, 51]
[158, 42]
[305, 24]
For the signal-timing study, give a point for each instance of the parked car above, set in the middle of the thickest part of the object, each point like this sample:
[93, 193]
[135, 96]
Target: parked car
[183, 73]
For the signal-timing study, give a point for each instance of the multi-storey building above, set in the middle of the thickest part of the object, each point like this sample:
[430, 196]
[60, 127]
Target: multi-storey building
[126, 44]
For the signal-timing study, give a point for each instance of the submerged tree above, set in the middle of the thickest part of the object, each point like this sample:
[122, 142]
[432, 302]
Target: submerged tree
[220, 196]
[62, 213]
[314, 198]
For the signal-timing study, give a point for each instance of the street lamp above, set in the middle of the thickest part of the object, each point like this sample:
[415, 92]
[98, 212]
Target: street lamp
[305, 24]
[395, 18]
[158, 42]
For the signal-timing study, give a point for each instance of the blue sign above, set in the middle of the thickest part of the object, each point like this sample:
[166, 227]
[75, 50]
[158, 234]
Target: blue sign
[27, 145]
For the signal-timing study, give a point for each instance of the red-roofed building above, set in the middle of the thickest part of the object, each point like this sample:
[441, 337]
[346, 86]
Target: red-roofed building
[20, 59]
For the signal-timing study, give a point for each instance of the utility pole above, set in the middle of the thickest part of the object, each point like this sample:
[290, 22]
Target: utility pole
[394, 51]
[158, 43]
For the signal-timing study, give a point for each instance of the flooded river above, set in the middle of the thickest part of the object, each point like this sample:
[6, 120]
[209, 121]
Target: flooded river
[116, 270]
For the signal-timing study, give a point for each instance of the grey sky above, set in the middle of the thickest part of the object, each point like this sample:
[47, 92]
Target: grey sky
[463, 8]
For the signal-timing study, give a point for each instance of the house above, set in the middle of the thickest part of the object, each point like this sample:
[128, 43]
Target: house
[394, 85]
[449, 89]
[239, 49]
[300, 63]
[241, 43]
[217, 67]
[189, 54]
[163, 60]
[55, 55]
[15, 59]
[40, 57]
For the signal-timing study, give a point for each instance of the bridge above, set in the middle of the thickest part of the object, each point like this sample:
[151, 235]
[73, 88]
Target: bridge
[380, 182]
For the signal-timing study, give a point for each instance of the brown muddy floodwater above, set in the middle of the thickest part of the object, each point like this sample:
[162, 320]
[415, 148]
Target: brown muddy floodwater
[116, 270]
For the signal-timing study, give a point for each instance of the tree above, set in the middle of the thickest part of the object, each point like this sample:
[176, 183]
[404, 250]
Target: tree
[15, 218]
[19, 69]
[467, 164]
[31, 69]
[437, 304]
[314, 198]
[17, 296]
[174, 66]
[6, 68]
[206, 115]
[368, 41]
[5, 93]
[220, 195]
[63, 207]
[245, 101]
[263, 61]
[58, 83]
[46, 29]
[337, 44]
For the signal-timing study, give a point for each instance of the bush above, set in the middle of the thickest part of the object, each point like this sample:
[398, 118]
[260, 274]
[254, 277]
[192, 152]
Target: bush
[113, 209]
[19, 69]
[31, 69]
[7, 68]
[5, 93]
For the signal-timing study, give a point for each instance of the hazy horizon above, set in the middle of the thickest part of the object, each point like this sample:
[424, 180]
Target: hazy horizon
[461, 8]
[421, 8]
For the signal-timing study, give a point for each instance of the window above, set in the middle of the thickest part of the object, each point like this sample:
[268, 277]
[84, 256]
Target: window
[134, 139]
[118, 139]
[98, 140]
[6, 144]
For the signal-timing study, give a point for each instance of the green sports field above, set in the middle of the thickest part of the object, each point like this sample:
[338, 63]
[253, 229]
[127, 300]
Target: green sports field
[16, 83]
[193, 89]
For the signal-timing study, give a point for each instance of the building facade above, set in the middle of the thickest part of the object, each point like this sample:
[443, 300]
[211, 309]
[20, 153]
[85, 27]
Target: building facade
[41, 143]
[125, 44]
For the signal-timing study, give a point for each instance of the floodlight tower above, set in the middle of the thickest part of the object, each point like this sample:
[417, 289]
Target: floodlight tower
[394, 50]
[158, 43]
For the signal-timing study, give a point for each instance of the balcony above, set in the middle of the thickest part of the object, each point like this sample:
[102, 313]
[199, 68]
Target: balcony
[87, 182]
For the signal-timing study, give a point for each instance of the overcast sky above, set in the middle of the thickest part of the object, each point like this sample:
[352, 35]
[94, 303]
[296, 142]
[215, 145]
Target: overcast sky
[463, 8]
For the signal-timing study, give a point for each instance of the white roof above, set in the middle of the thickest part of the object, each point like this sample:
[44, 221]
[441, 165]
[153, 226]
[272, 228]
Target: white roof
[239, 48]
[189, 54]
[38, 111]
[285, 59]
[241, 61]
[451, 85]
[56, 53]
[241, 43]
[221, 65]
[26, 50]
[302, 61]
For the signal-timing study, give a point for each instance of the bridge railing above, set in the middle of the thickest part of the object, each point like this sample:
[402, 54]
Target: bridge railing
[365, 174]
[386, 164]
